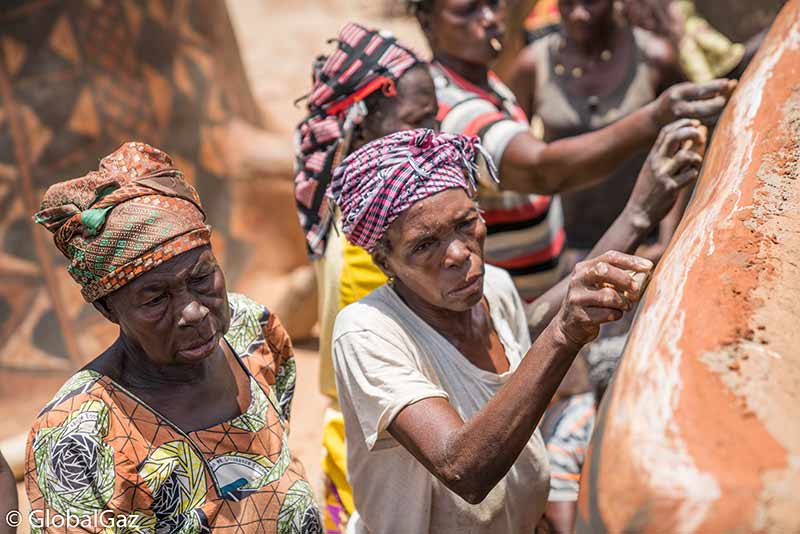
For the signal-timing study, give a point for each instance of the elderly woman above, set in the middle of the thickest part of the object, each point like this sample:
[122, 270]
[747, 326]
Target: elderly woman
[440, 387]
[181, 424]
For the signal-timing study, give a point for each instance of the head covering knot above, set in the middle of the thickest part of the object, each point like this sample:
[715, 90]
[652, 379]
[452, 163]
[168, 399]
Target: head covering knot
[128, 217]
[364, 62]
[378, 182]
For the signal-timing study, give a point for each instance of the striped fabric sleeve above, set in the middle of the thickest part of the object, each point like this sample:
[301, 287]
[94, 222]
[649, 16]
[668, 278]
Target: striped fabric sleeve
[566, 447]
[476, 116]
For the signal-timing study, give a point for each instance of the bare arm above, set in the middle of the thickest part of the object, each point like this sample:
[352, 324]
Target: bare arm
[531, 166]
[668, 169]
[470, 457]
[666, 229]
[522, 80]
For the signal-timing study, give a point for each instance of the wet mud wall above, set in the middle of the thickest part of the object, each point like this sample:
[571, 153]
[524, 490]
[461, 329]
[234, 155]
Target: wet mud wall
[699, 431]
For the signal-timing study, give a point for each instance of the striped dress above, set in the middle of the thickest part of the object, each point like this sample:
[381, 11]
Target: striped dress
[525, 232]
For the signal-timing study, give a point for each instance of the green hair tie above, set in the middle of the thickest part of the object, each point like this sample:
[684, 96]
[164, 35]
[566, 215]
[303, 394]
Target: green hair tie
[93, 220]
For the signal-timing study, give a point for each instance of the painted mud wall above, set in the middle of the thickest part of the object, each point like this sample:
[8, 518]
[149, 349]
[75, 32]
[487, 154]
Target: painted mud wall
[79, 77]
[700, 430]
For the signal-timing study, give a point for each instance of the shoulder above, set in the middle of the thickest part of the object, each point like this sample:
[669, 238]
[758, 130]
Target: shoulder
[69, 457]
[533, 54]
[498, 281]
[249, 324]
[373, 313]
[255, 332]
[80, 384]
[656, 50]
[503, 297]
[379, 325]
[501, 89]
[448, 93]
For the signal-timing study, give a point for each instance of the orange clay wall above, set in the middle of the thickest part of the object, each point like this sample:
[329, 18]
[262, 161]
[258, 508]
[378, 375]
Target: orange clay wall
[700, 431]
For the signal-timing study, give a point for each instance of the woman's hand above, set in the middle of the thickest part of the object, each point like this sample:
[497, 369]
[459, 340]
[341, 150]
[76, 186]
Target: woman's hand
[673, 163]
[703, 101]
[600, 290]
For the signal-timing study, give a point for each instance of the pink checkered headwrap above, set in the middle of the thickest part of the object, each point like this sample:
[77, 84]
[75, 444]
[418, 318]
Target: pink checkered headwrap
[378, 182]
[364, 62]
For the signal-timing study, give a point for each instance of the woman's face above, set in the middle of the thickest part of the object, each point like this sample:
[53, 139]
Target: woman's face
[463, 29]
[436, 250]
[584, 20]
[178, 312]
[414, 106]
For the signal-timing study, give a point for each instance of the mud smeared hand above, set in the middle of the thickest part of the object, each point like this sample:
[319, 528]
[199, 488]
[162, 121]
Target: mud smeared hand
[703, 101]
[601, 290]
[673, 163]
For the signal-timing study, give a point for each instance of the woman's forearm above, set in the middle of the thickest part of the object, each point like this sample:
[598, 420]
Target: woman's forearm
[490, 442]
[471, 457]
[531, 166]
[626, 233]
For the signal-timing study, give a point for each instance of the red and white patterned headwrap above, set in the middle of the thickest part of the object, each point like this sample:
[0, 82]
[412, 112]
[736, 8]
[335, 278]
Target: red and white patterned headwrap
[378, 182]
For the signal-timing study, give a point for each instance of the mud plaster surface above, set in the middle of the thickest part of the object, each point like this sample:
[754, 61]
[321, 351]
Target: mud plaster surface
[701, 433]
[762, 367]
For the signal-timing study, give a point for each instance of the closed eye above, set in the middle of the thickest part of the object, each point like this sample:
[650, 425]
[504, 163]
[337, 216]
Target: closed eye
[155, 301]
[467, 223]
[422, 246]
[201, 278]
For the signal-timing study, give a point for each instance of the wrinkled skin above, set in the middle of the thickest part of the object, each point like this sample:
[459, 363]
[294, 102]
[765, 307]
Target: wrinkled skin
[175, 314]
[170, 351]
[436, 251]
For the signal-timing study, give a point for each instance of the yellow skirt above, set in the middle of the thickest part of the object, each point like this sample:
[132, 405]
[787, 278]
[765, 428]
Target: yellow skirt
[344, 275]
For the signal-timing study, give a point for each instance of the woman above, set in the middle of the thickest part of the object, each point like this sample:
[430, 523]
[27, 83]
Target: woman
[391, 91]
[526, 236]
[345, 271]
[595, 71]
[439, 385]
[181, 424]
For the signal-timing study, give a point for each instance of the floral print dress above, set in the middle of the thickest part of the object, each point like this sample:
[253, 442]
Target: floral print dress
[96, 451]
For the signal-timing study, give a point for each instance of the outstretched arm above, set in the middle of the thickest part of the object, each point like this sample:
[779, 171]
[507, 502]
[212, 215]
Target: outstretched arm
[470, 457]
[669, 168]
[531, 166]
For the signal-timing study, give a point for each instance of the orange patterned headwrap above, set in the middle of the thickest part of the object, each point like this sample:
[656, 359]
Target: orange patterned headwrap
[114, 224]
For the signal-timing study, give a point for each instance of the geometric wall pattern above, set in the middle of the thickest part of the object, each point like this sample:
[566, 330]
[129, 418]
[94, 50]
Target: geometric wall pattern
[77, 78]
